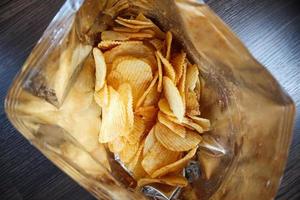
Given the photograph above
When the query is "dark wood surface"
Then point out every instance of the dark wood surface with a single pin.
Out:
(269, 28)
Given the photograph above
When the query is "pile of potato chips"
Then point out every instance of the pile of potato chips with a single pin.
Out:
(149, 93)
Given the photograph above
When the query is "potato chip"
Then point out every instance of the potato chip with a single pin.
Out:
(143, 97)
(138, 131)
(113, 35)
(186, 122)
(173, 97)
(178, 62)
(149, 31)
(111, 129)
(168, 68)
(131, 49)
(157, 157)
(192, 74)
(175, 166)
(168, 44)
(156, 43)
(108, 44)
(159, 33)
(174, 142)
(117, 144)
(153, 97)
(135, 166)
(101, 97)
(192, 104)
(100, 68)
(134, 71)
(176, 128)
(126, 95)
(171, 180)
(160, 73)
(181, 84)
(198, 89)
(204, 123)
(128, 152)
(164, 107)
(149, 142)
(135, 21)
(148, 112)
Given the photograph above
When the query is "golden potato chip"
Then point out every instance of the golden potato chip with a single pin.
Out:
(188, 123)
(168, 68)
(113, 35)
(204, 123)
(157, 157)
(153, 97)
(134, 71)
(143, 97)
(126, 95)
(192, 104)
(108, 44)
(174, 142)
(135, 21)
(176, 128)
(181, 84)
(160, 73)
(117, 144)
(198, 89)
(131, 49)
(128, 152)
(175, 166)
(101, 97)
(138, 131)
(100, 68)
(156, 43)
(159, 33)
(111, 129)
(171, 180)
(173, 97)
(149, 31)
(135, 165)
(149, 141)
(192, 74)
(178, 62)
(125, 29)
(168, 44)
(164, 107)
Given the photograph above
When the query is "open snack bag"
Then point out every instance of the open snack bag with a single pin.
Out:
(138, 99)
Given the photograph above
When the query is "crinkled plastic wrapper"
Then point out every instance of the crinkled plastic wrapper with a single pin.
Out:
(51, 104)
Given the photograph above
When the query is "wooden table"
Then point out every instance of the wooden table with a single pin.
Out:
(269, 28)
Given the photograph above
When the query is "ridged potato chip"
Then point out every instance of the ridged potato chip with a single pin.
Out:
(204, 123)
(101, 97)
(131, 49)
(134, 71)
(192, 74)
(108, 44)
(181, 84)
(125, 29)
(192, 104)
(117, 144)
(160, 73)
(138, 131)
(153, 97)
(135, 21)
(113, 35)
(171, 180)
(175, 166)
(111, 129)
(157, 157)
(126, 95)
(186, 122)
(159, 33)
(176, 128)
(100, 68)
(156, 43)
(174, 142)
(174, 98)
(168, 68)
(128, 152)
(178, 62)
(168, 44)
(143, 97)
(135, 165)
(164, 107)
(149, 142)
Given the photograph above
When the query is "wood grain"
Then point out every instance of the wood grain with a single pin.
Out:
(269, 28)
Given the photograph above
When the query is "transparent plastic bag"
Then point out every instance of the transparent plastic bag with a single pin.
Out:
(242, 157)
